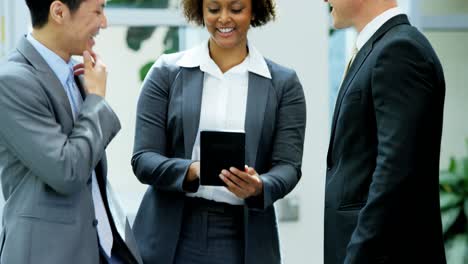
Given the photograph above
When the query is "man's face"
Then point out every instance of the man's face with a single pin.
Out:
(343, 12)
(228, 21)
(83, 25)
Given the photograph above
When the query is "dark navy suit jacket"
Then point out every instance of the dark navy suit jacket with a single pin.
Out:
(382, 188)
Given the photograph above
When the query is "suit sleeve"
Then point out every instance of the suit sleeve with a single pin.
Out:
(288, 144)
(31, 131)
(150, 162)
(402, 91)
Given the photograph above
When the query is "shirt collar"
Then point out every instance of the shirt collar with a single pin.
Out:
(56, 63)
(257, 63)
(200, 57)
(374, 25)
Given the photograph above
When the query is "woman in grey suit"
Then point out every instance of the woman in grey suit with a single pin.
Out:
(223, 84)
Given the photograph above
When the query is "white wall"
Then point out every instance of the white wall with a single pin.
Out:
(451, 48)
(16, 22)
(299, 39)
(2, 29)
(446, 7)
(122, 94)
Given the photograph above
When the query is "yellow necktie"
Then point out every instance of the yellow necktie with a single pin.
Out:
(348, 65)
(350, 62)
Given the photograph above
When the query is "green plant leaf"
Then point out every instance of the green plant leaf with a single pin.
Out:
(449, 200)
(449, 217)
(137, 35)
(465, 169)
(452, 165)
(171, 45)
(449, 178)
(456, 249)
(454, 208)
(172, 37)
(466, 209)
(145, 69)
(138, 3)
(169, 51)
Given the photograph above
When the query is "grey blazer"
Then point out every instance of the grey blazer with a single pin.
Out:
(167, 122)
(46, 161)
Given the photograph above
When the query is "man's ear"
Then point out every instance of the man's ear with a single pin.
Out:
(58, 12)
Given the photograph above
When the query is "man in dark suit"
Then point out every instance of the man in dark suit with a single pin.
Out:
(382, 192)
(53, 134)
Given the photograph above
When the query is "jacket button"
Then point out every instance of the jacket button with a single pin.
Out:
(95, 222)
(328, 168)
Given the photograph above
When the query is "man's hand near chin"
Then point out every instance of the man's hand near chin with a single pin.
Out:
(94, 73)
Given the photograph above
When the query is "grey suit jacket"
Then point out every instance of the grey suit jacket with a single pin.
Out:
(46, 161)
(167, 122)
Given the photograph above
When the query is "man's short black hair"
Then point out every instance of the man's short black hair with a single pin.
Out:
(39, 10)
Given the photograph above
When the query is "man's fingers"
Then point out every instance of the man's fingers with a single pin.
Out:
(78, 69)
(95, 74)
(99, 64)
(87, 60)
(93, 55)
(93, 61)
(79, 72)
(78, 66)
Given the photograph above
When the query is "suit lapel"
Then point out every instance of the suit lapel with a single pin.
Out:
(355, 67)
(257, 99)
(47, 76)
(192, 87)
(358, 61)
(259, 87)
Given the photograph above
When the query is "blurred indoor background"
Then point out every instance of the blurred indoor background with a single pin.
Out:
(301, 38)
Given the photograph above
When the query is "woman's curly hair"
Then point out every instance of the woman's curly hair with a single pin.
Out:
(263, 11)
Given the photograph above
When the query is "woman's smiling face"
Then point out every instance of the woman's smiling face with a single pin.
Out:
(228, 21)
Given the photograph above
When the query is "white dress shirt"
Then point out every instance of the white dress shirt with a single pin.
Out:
(224, 103)
(372, 27)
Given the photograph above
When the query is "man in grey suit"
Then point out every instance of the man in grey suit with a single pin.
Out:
(53, 134)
